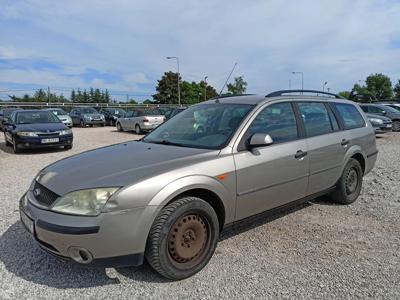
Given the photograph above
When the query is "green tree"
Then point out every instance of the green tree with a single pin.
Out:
(148, 101)
(344, 94)
(73, 96)
(380, 86)
(238, 87)
(167, 89)
(396, 90)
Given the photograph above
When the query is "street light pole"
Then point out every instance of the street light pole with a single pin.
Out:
(323, 87)
(302, 78)
(179, 87)
(205, 88)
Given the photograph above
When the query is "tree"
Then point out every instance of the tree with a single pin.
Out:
(380, 86)
(238, 87)
(167, 89)
(148, 101)
(73, 96)
(344, 94)
(396, 90)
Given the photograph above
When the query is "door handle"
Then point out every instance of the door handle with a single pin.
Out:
(300, 154)
(344, 142)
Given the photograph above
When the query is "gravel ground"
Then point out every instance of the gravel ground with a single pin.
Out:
(319, 250)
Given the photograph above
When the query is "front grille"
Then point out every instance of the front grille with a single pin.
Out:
(43, 195)
(47, 134)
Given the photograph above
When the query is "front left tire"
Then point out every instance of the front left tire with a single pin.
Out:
(7, 142)
(182, 238)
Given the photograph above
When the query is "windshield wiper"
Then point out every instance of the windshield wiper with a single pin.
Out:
(165, 142)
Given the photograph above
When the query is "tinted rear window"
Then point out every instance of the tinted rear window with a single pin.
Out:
(350, 115)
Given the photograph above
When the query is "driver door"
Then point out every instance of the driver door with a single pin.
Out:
(271, 176)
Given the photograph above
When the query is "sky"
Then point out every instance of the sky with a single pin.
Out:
(122, 45)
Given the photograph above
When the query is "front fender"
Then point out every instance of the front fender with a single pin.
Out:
(188, 183)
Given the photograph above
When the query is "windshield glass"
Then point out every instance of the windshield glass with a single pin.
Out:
(392, 108)
(36, 117)
(207, 126)
(89, 111)
(58, 112)
(150, 112)
(116, 111)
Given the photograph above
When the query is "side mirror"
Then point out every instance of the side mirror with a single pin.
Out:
(260, 140)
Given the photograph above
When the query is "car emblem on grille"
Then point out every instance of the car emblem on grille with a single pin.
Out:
(36, 192)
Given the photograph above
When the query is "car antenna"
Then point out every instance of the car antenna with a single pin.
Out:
(230, 74)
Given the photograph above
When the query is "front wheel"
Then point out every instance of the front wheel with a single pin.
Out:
(182, 238)
(396, 126)
(119, 127)
(15, 147)
(7, 142)
(350, 183)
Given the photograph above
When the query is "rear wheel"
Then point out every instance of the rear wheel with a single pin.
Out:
(350, 183)
(396, 125)
(183, 238)
(119, 127)
(138, 130)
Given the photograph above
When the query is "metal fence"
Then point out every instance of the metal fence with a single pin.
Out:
(69, 105)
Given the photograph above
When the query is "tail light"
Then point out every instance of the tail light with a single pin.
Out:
(145, 120)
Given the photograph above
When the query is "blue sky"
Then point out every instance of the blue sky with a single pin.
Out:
(121, 45)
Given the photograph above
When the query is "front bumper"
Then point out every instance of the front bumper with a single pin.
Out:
(382, 129)
(112, 239)
(67, 123)
(36, 142)
(94, 122)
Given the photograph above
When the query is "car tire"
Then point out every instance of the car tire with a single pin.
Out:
(138, 130)
(68, 147)
(185, 223)
(396, 125)
(7, 142)
(102, 124)
(82, 124)
(119, 127)
(15, 147)
(349, 185)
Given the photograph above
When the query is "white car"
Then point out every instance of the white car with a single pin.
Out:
(62, 115)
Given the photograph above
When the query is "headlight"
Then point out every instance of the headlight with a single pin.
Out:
(24, 133)
(102, 117)
(84, 202)
(65, 132)
(378, 121)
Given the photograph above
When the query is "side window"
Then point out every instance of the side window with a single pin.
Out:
(316, 118)
(350, 115)
(277, 120)
(364, 108)
(375, 110)
(129, 114)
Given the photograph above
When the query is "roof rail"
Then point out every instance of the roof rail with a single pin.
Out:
(280, 93)
(229, 95)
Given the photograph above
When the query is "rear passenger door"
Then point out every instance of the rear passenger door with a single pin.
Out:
(273, 175)
(326, 144)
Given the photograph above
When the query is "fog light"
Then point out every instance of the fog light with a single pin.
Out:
(80, 255)
(26, 144)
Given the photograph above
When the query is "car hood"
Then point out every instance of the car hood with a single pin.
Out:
(378, 117)
(118, 165)
(43, 127)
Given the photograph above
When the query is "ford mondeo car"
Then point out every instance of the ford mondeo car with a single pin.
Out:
(167, 197)
(29, 129)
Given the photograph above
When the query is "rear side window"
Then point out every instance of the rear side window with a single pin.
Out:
(350, 115)
(317, 119)
(364, 108)
(277, 120)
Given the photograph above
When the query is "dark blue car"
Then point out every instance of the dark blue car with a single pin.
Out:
(27, 129)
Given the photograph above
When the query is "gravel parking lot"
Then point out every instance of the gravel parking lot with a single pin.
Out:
(319, 250)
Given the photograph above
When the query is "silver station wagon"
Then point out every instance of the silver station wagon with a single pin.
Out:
(167, 197)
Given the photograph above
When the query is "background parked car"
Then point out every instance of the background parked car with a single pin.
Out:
(173, 112)
(381, 124)
(4, 115)
(112, 114)
(83, 116)
(36, 129)
(383, 110)
(140, 120)
(395, 105)
(62, 115)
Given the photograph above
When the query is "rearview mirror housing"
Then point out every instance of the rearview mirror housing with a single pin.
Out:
(260, 140)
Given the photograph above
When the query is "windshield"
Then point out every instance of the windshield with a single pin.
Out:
(394, 108)
(58, 112)
(150, 112)
(207, 126)
(116, 111)
(89, 111)
(36, 117)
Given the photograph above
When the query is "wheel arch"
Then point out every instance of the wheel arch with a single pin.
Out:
(204, 187)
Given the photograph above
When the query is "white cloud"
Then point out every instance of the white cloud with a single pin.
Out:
(335, 41)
